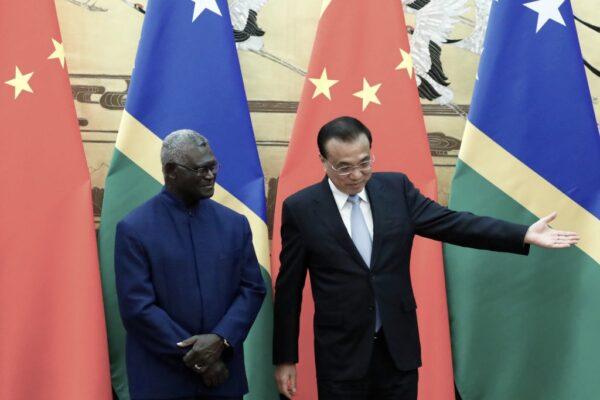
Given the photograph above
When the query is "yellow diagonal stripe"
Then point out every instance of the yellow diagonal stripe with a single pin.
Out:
(142, 147)
(531, 190)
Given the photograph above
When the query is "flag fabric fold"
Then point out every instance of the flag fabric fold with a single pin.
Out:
(187, 75)
(53, 339)
(525, 327)
(361, 67)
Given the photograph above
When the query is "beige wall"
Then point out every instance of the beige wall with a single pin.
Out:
(101, 39)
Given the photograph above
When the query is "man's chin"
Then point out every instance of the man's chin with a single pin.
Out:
(207, 192)
(203, 192)
(354, 189)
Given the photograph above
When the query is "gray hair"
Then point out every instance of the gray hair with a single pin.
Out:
(173, 147)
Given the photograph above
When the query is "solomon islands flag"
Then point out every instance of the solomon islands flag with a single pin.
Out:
(527, 327)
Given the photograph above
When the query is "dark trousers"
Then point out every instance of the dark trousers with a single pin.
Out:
(382, 382)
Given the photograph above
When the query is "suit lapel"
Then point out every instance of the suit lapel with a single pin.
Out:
(328, 212)
(379, 211)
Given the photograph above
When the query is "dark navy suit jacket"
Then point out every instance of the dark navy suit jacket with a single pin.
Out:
(345, 289)
(182, 272)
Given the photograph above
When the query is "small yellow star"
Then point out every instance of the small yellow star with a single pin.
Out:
(20, 82)
(407, 63)
(368, 94)
(323, 84)
(59, 52)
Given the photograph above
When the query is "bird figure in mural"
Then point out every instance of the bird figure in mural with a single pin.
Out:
(474, 42)
(136, 6)
(88, 4)
(248, 36)
(434, 21)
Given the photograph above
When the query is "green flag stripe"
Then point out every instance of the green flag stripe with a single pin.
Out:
(258, 351)
(522, 327)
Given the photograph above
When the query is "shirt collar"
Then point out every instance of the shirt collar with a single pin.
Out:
(174, 201)
(341, 198)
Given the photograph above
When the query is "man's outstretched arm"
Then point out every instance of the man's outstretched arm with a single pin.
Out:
(437, 222)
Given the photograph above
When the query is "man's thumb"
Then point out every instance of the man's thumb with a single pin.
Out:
(187, 342)
(549, 218)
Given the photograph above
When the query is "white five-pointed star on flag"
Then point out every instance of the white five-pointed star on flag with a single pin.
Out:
(201, 5)
(547, 10)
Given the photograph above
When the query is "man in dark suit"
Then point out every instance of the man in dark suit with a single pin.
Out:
(188, 283)
(353, 233)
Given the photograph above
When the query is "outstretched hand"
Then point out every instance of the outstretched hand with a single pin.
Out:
(541, 234)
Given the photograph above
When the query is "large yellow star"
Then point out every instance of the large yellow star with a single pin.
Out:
(20, 82)
(59, 52)
(407, 63)
(368, 94)
(323, 84)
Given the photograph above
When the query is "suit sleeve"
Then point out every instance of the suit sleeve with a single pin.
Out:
(237, 321)
(140, 314)
(288, 290)
(437, 222)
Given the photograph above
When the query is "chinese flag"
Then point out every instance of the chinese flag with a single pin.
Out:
(361, 67)
(52, 332)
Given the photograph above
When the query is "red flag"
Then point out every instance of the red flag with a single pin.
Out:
(52, 331)
(361, 67)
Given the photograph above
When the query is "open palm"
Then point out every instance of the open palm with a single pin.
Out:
(541, 234)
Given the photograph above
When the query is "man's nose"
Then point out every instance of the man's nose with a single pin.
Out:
(356, 174)
(209, 175)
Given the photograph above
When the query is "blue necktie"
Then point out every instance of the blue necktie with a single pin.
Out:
(362, 241)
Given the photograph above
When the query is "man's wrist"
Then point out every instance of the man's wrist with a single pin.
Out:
(223, 341)
(527, 239)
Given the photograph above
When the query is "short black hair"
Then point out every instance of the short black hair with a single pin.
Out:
(346, 129)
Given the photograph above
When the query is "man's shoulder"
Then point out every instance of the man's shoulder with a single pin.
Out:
(304, 195)
(142, 213)
(389, 177)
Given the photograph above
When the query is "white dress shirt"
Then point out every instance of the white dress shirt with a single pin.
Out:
(345, 207)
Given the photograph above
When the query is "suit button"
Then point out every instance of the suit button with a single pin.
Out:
(371, 308)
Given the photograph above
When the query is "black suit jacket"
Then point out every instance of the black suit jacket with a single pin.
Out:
(344, 288)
